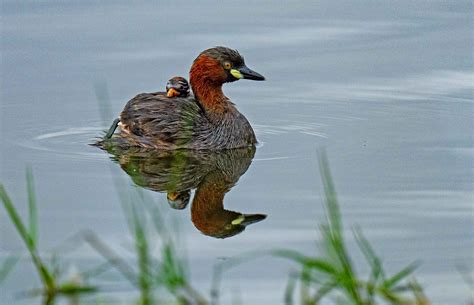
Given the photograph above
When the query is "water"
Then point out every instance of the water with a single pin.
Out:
(385, 87)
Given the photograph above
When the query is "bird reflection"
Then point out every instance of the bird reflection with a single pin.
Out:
(210, 174)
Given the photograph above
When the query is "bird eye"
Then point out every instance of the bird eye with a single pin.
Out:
(227, 65)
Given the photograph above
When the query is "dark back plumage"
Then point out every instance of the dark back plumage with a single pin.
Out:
(154, 120)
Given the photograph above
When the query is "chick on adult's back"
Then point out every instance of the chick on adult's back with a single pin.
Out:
(209, 120)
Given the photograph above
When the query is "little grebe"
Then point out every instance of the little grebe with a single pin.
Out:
(209, 120)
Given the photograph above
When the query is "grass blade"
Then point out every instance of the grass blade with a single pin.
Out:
(334, 215)
(172, 271)
(393, 280)
(32, 208)
(333, 233)
(311, 263)
(290, 288)
(374, 262)
(324, 290)
(46, 277)
(15, 218)
(7, 266)
(111, 257)
(369, 253)
(143, 256)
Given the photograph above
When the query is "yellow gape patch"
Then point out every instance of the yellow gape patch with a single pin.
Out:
(238, 220)
(236, 73)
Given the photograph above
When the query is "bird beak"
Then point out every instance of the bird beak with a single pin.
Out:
(246, 73)
(247, 219)
(172, 92)
(172, 196)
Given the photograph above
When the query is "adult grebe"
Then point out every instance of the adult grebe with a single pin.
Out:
(209, 120)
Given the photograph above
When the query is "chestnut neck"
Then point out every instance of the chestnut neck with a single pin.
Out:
(207, 77)
(207, 210)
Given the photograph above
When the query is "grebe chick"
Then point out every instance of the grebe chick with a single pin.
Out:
(177, 87)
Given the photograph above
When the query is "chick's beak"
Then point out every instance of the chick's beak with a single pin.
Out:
(172, 93)
(246, 73)
(172, 196)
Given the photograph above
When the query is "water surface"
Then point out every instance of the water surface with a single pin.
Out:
(385, 87)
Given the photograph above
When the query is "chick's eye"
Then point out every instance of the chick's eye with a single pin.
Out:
(227, 65)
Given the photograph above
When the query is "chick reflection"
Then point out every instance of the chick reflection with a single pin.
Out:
(211, 174)
(179, 200)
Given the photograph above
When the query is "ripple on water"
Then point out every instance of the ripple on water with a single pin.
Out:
(70, 141)
(74, 141)
(308, 128)
(274, 135)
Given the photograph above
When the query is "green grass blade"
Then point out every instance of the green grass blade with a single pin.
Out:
(334, 215)
(45, 275)
(96, 271)
(7, 266)
(395, 279)
(324, 290)
(369, 253)
(290, 289)
(15, 218)
(305, 279)
(69, 289)
(333, 233)
(172, 271)
(374, 262)
(309, 262)
(111, 257)
(418, 293)
(143, 256)
(389, 295)
(32, 207)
